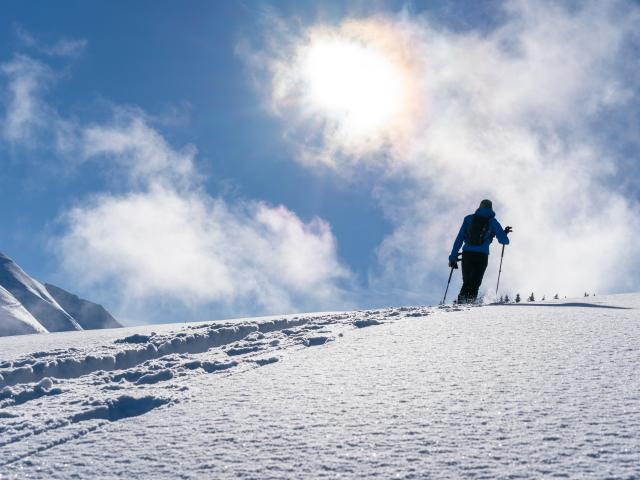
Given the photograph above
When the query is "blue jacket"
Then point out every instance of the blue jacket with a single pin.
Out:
(495, 230)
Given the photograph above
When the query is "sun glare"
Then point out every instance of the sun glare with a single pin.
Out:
(354, 83)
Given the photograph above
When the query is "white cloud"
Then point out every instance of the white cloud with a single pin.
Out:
(166, 239)
(141, 152)
(513, 114)
(196, 249)
(28, 122)
(64, 47)
(24, 110)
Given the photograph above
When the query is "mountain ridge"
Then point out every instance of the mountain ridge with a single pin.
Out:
(88, 314)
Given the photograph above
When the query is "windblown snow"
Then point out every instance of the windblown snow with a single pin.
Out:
(504, 391)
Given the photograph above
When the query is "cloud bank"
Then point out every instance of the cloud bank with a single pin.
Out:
(523, 113)
(197, 249)
(167, 237)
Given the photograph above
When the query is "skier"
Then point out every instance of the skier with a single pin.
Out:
(477, 232)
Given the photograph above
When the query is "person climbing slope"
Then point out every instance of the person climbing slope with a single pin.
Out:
(477, 233)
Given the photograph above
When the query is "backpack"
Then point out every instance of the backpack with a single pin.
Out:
(477, 231)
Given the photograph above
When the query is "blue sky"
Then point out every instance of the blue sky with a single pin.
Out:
(166, 58)
(202, 76)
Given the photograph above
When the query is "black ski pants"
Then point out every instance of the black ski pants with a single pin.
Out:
(473, 266)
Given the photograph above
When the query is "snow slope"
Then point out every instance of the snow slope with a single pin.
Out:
(88, 314)
(505, 391)
(14, 318)
(34, 297)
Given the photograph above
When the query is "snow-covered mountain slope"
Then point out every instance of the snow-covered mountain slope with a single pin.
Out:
(505, 391)
(14, 318)
(88, 314)
(34, 297)
(27, 306)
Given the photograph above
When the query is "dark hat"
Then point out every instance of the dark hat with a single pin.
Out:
(486, 204)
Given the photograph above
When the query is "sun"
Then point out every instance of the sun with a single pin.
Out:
(354, 92)
(354, 83)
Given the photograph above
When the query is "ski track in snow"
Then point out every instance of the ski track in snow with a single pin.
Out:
(49, 398)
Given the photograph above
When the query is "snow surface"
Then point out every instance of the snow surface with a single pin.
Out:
(14, 318)
(517, 391)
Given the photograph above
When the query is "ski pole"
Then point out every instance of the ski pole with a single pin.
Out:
(507, 231)
(500, 271)
(450, 275)
(445, 292)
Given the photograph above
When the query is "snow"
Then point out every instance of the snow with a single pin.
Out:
(34, 297)
(14, 318)
(519, 391)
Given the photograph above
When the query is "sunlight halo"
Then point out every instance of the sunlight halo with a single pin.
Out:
(355, 86)
(353, 83)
